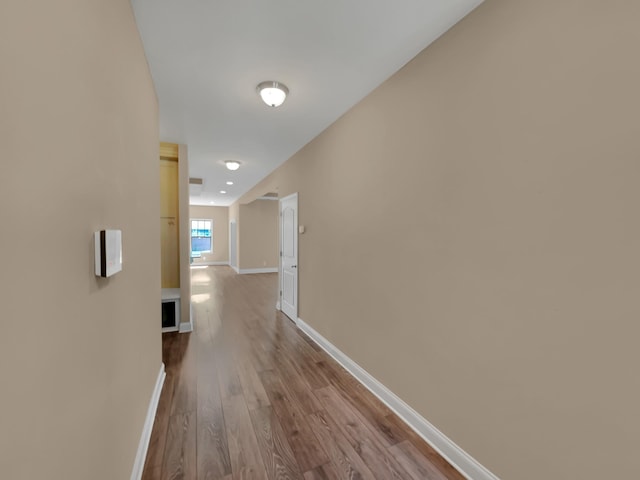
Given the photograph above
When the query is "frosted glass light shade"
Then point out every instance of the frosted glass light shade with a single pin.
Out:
(273, 93)
(231, 165)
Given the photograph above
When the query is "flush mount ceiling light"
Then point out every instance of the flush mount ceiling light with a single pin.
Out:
(231, 165)
(272, 93)
(229, 182)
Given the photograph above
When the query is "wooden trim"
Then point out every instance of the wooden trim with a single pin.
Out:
(464, 463)
(169, 150)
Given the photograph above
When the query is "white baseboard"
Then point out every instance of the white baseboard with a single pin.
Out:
(278, 305)
(143, 446)
(258, 270)
(235, 269)
(186, 327)
(196, 264)
(456, 456)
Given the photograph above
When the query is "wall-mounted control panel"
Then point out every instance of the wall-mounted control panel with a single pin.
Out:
(108, 249)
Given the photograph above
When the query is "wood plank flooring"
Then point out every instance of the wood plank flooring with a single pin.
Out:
(249, 396)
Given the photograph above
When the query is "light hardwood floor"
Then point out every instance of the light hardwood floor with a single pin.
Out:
(249, 396)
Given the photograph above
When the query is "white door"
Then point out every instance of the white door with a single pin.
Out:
(289, 256)
(233, 242)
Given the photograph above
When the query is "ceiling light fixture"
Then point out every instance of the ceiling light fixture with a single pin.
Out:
(229, 182)
(231, 165)
(272, 93)
(223, 191)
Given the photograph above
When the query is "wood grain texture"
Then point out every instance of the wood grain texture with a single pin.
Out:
(418, 466)
(324, 472)
(346, 460)
(246, 460)
(228, 376)
(297, 386)
(426, 450)
(279, 461)
(180, 451)
(212, 448)
(151, 472)
(248, 396)
(362, 436)
(184, 393)
(153, 464)
(304, 443)
(252, 387)
(365, 402)
(169, 150)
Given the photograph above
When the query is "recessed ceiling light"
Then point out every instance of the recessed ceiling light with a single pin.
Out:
(223, 191)
(272, 93)
(232, 165)
(229, 182)
(212, 203)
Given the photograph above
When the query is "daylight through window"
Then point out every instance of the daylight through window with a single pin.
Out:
(201, 237)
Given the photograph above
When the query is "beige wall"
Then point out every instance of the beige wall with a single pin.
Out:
(258, 235)
(472, 236)
(220, 217)
(79, 355)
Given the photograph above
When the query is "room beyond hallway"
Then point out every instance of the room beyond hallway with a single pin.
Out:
(248, 395)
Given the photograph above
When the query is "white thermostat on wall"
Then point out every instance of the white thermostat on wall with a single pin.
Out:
(108, 252)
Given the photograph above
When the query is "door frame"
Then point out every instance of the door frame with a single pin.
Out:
(233, 245)
(280, 276)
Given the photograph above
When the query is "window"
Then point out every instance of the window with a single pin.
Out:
(201, 237)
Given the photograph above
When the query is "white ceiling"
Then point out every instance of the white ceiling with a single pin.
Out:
(208, 56)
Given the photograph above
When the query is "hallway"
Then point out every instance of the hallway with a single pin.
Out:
(249, 396)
